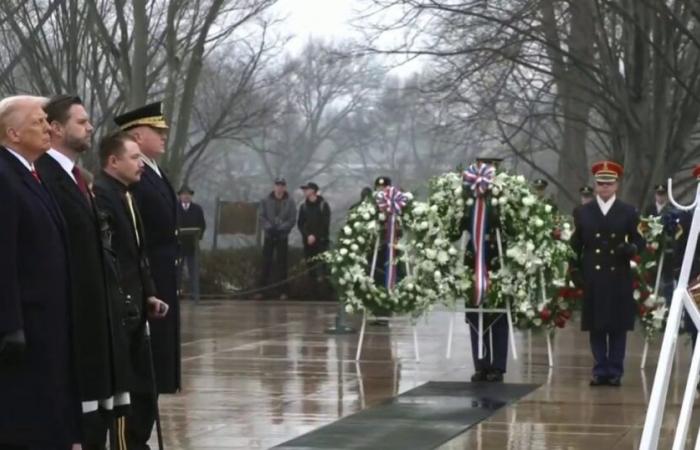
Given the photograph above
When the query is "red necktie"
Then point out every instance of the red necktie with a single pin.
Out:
(36, 176)
(80, 181)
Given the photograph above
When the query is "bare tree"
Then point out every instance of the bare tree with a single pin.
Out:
(121, 54)
(617, 78)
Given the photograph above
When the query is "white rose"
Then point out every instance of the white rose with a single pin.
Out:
(538, 222)
(349, 309)
(528, 200)
(442, 257)
(470, 201)
(452, 251)
(458, 190)
(495, 190)
(366, 216)
(548, 208)
(636, 295)
(430, 253)
(354, 247)
(343, 251)
(347, 230)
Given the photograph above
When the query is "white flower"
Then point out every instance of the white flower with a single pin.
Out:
(548, 208)
(495, 190)
(343, 251)
(452, 251)
(354, 247)
(430, 253)
(636, 295)
(349, 309)
(539, 223)
(528, 200)
(382, 217)
(347, 230)
(470, 201)
(443, 257)
(458, 191)
(366, 216)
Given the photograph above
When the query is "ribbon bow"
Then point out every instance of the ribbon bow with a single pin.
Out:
(479, 178)
(391, 200)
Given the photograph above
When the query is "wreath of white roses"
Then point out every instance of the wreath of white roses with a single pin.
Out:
(535, 245)
(350, 262)
(651, 307)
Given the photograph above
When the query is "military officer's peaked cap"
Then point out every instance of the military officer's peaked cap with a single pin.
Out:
(540, 183)
(382, 181)
(586, 191)
(660, 189)
(185, 189)
(150, 115)
(492, 160)
(606, 171)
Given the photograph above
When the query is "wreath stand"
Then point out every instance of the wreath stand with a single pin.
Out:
(656, 293)
(361, 338)
(481, 311)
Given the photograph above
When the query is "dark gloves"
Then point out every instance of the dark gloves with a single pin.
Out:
(12, 346)
(626, 250)
(576, 277)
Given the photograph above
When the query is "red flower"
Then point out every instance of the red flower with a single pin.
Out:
(644, 294)
(566, 314)
(545, 315)
(650, 249)
(560, 321)
(635, 284)
(637, 259)
(642, 310)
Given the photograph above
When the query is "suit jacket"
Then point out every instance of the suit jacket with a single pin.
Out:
(90, 307)
(158, 205)
(131, 268)
(192, 218)
(40, 404)
(608, 304)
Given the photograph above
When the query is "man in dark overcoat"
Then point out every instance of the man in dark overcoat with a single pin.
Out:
(38, 391)
(157, 202)
(190, 215)
(92, 322)
(122, 167)
(605, 240)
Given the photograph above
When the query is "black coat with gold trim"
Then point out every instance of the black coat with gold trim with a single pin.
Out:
(604, 245)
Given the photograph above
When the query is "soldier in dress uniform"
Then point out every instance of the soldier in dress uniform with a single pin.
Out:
(137, 294)
(585, 194)
(661, 204)
(381, 267)
(492, 365)
(604, 241)
(157, 202)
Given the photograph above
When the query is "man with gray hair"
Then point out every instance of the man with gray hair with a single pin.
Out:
(40, 405)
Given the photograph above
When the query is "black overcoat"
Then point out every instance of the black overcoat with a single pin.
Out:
(608, 303)
(158, 206)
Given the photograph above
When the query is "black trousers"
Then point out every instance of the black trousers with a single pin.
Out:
(494, 356)
(139, 423)
(608, 350)
(275, 250)
(317, 269)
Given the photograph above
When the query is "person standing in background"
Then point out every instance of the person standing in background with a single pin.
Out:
(278, 214)
(314, 225)
(190, 216)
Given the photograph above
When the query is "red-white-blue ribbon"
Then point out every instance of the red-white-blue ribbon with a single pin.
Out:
(479, 179)
(391, 201)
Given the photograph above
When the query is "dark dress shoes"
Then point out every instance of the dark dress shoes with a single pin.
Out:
(598, 381)
(479, 376)
(615, 381)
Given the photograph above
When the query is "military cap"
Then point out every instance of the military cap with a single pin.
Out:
(540, 183)
(660, 188)
(185, 189)
(382, 182)
(606, 171)
(586, 191)
(150, 115)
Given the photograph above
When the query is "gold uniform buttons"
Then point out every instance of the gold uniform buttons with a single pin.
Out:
(597, 250)
(597, 267)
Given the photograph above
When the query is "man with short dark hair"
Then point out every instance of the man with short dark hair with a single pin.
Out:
(191, 217)
(122, 167)
(278, 214)
(314, 225)
(100, 390)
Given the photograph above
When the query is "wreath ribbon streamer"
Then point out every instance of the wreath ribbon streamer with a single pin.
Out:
(391, 202)
(479, 179)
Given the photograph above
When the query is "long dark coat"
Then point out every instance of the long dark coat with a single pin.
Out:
(39, 398)
(128, 263)
(608, 304)
(192, 218)
(90, 308)
(158, 206)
